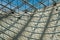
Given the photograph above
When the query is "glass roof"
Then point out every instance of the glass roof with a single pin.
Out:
(25, 5)
(17, 23)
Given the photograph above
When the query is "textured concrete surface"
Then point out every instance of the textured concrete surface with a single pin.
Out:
(13, 27)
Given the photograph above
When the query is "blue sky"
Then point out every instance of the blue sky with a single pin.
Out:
(25, 6)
